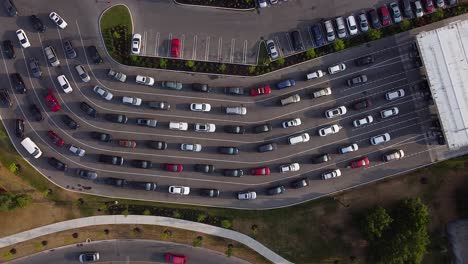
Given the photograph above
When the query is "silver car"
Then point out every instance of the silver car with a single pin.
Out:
(82, 73)
(191, 147)
(103, 93)
(249, 195)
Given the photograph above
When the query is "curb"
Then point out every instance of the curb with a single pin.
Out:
(216, 7)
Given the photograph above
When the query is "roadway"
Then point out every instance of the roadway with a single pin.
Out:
(129, 251)
(393, 69)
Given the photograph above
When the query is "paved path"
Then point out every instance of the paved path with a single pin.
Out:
(143, 220)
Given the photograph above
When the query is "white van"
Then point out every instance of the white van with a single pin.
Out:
(236, 110)
(31, 147)
(290, 99)
(303, 137)
(178, 126)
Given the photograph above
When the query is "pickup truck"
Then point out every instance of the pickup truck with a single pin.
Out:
(117, 75)
(322, 92)
(290, 99)
(178, 126)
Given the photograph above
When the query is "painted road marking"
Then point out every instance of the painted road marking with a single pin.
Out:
(168, 53)
(245, 52)
(194, 51)
(156, 51)
(207, 48)
(220, 48)
(233, 44)
(182, 40)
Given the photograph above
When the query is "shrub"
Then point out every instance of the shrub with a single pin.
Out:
(222, 68)
(405, 25)
(13, 168)
(163, 63)
(146, 212)
(75, 235)
(374, 34)
(226, 224)
(339, 45)
(166, 234)
(176, 214)
(190, 64)
(10, 201)
(230, 250)
(280, 61)
(310, 53)
(252, 69)
(44, 242)
(198, 241)
(201, 217)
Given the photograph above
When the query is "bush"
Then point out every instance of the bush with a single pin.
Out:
(405, 25)
(9, 201)
(230, 250)
(374, 34)
(166, 234)
(376, 221)
(176, 214)
(226, 224)
(201, 217)
(339, 45)
(222, 68)
(146, 212)
(198, 241)
(310, 53)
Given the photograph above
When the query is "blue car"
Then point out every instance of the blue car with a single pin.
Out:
(286, 84)
(317, 32)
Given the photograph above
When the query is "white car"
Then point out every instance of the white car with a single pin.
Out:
(394, 94)
(292, 123)
(262, 3)
(389, 112)
(325, 131)
(418, 9)
(247, 195)
(393, 155)
(145, 80)
(199, 127)
(23, 39)
(191, 147)
(351, 148)
(103, 93)
(363, 22)
(315, 75)
(270, 44)
(331, 174)
(379, 139)
(290, 167)
(363, 121)
(62, 80)
(339, 111)
(77, 151)
(352, 26)
(58, 20)
(82, 73)
(336, 68)
(200, 107)
(181, 190)
(132, 100)
(136, 44)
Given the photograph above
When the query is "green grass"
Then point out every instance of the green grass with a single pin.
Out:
(263, 57)
(116, 16)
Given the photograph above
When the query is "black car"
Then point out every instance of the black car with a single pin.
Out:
(228, 150)
(159, 145)
(37, 24)
(212, 193)
(94, 54)
(159, 105)
(301, 183)
(19, 128)
(374, 18)
(276, 190)
(363, 104)
(116, 182)
(5, 97)
(33, 64)
(10, 7)
(267, 147)
(357, 80)
(69, 50)
(113, 160)
(233, 172)
(72, 124)
(142, 164)
(321, 158)
(199, 87)
(297, 41)
(57, 164)
(141, 185)
(317, 32)
(234, 129)
(101, 136)
(366, 60)
(9, 49)
(234, 90)
(89, 110)
(35, 112)
(86, 174)
(262, 128)
(116, 118)
(206, 168)
(18, 83)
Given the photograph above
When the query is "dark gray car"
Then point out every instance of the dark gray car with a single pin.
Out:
(276, 190)
(233, 172)
(69, 50)
(228, 150)
(87, 174)
(267, 147)
(205, 168)
(234, 91)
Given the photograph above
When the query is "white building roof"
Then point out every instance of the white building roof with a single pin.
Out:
(444, 52)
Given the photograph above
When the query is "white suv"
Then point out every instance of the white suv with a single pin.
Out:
(62, 80)
(352, 27)
(181, 190)
(394, 94)
(292, 123)
(290, 167)
(331, 174)
(336, 68)
(363, 121)
(379, 139)
(199, 127)
(389, 112)
(296, 139)
(351, 148)
(145, 80)
(200, 107)
(325, 131)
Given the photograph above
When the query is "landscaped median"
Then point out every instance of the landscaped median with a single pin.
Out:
(232, 4)
(117, 39)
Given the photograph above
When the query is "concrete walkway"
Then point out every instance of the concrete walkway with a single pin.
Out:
(143, 220)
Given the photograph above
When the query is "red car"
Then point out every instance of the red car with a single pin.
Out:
(54, 138)
(386, 20)
(176, 259)
(51, 101)
(429, 6)
(260, 171)
(360, 163)
(261, 90)
(127, 143)
(173, 167)
(175, 48)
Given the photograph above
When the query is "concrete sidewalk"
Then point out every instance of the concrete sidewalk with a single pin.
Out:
(143, 220)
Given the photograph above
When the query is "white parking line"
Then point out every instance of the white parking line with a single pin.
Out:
(194, 52)
(156, 51)
(207, 48)
(182, 40)
(245, 52)
(220, 48)
(168, 52)
(233, 45)
(143, 44)
(278, 45)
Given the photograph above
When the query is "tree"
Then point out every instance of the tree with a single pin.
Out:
(374, 34)
(22, 200)
(376, 221)
(339, 45)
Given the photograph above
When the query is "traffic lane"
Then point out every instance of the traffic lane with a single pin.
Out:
(129, 250)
